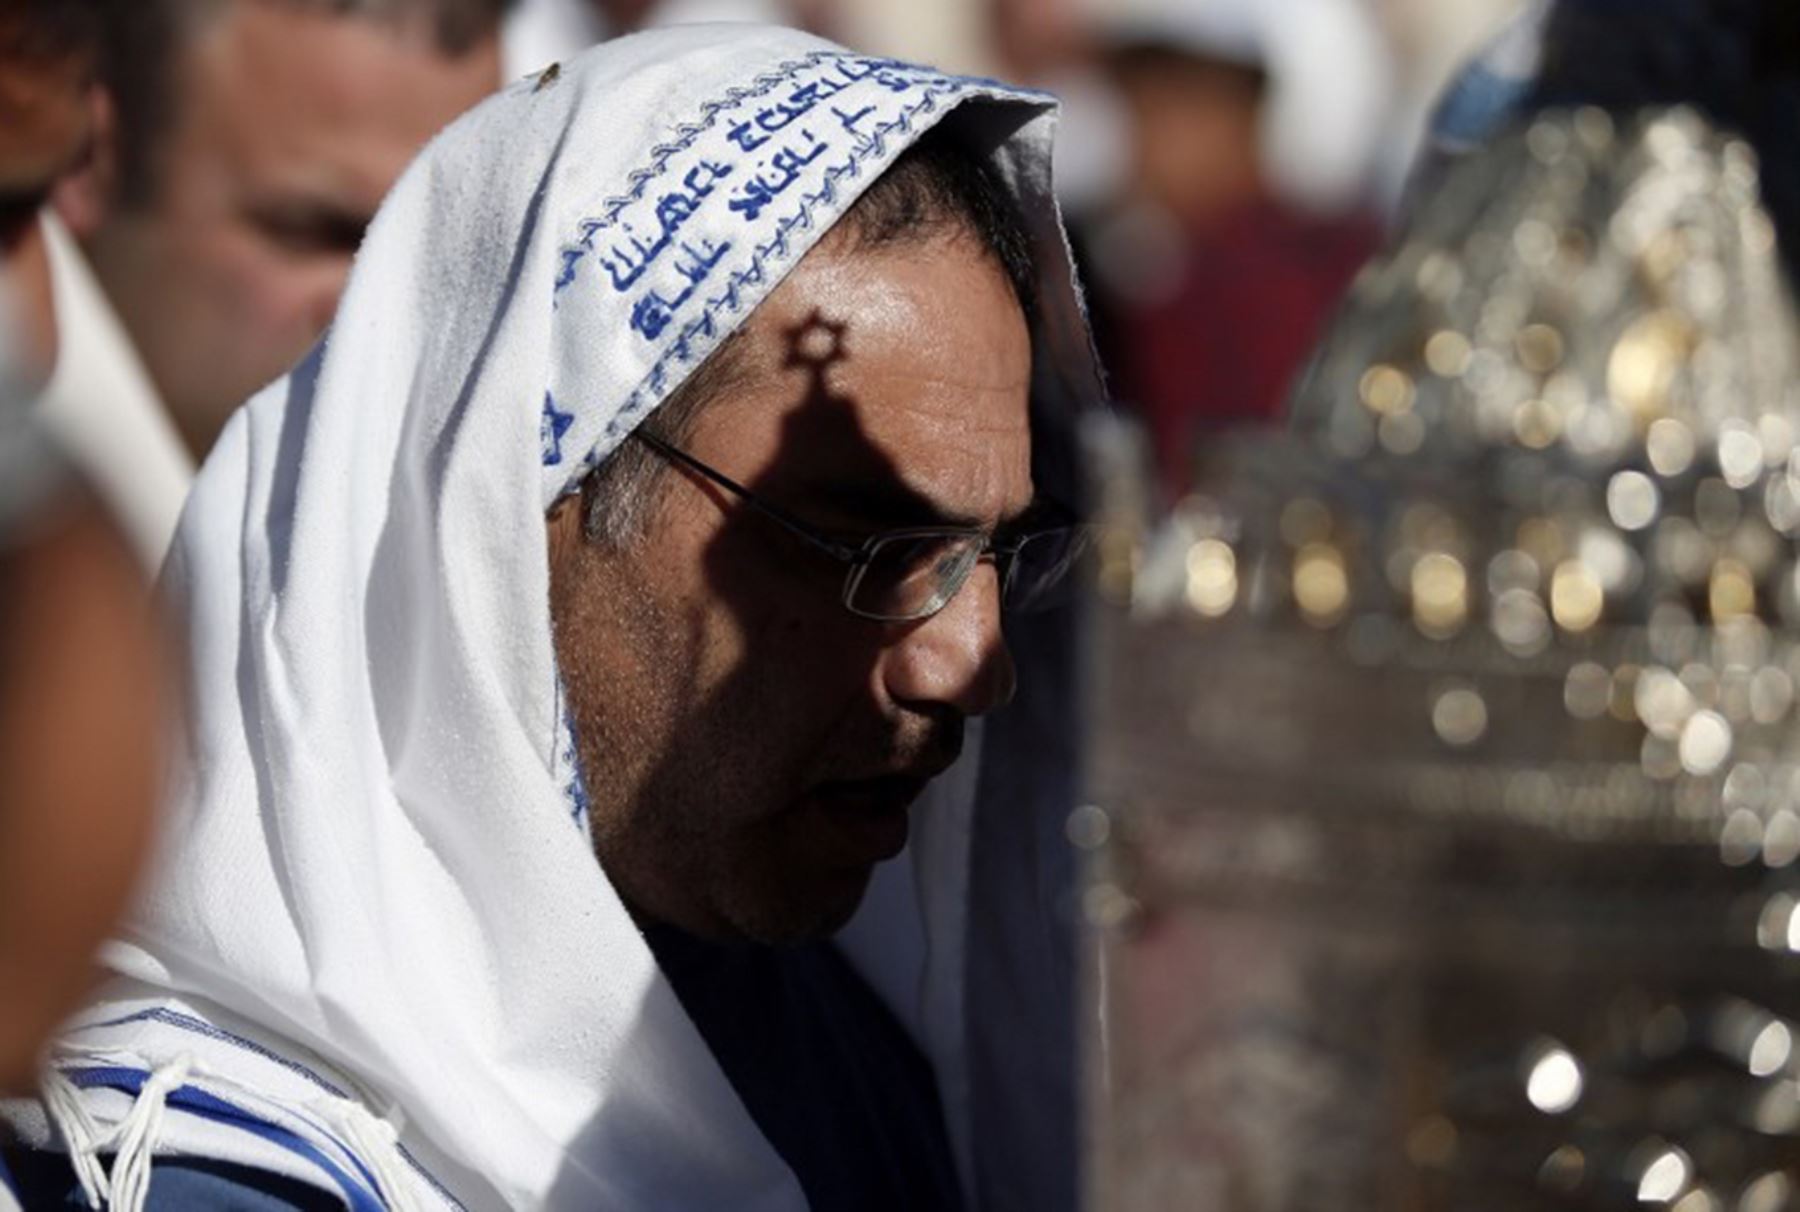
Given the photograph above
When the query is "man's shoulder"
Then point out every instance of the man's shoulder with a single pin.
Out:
(46, 1180)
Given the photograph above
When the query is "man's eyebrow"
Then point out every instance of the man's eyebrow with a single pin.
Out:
(892, 505)
(880, 504)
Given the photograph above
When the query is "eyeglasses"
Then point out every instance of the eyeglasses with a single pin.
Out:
(901, 576)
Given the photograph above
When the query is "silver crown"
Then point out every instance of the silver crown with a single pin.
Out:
(1453, 799)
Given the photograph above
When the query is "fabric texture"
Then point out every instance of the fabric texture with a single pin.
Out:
(378, 875)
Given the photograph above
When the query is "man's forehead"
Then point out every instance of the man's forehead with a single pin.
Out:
(937, 309)
(345, 97)
(904, 370)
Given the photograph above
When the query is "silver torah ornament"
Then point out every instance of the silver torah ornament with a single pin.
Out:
(1451, 802)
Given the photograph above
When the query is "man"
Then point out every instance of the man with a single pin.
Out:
(81, 660)
(654, 498)
(240, 148)
(1204, 240)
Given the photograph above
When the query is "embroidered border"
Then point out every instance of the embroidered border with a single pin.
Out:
(772, 253)
(688, 133)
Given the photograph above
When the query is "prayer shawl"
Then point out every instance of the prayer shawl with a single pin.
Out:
(101, 406)
(378, 952)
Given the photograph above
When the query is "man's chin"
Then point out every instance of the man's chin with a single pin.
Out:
(795, 915)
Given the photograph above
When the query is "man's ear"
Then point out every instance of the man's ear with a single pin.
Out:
(86, 194)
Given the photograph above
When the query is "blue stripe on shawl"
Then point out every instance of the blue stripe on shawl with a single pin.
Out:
(362, 1196)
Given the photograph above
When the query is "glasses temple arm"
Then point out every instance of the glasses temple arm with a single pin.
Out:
(840, 551)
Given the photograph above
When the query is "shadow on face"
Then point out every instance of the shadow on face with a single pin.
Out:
(798, 873)
(769, 742)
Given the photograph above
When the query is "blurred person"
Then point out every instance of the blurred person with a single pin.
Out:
(81, 654)
(239, 148)
(1051, 44)
(538, 33)
(1212, 285)
(574, 632)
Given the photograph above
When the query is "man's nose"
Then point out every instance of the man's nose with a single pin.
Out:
(957, 657)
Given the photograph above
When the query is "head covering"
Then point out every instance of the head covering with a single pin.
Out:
(378, 878)
(1329, 79)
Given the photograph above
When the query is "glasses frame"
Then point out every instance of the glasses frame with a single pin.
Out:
(859, 555)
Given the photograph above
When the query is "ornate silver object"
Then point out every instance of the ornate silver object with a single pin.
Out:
(1451, 790)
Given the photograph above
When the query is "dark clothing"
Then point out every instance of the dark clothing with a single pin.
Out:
(829, 1076)
(1223, 348)
(46, 1181)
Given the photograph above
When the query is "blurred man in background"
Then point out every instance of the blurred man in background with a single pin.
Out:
(239, 148)
(81, 658)
(1214, 283)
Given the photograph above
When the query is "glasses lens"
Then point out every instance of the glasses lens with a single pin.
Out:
(1041, 567)
(909, 577)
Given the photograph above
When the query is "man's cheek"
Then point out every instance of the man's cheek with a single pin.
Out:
(266, 281)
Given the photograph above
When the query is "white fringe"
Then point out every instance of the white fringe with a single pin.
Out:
(376, 1139)
(70, 1120)
(137, 1135)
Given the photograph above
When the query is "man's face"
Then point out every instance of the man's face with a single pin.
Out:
(290, 126)
(1198, 136)
(750, 747)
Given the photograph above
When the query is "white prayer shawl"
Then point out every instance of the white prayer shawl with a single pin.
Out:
(103, 409)
(377, 911)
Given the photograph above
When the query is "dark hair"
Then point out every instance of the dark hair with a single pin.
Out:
(936, 189)
(1737, 61)
(51, 32)
(1144, 58)
(141, 64)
